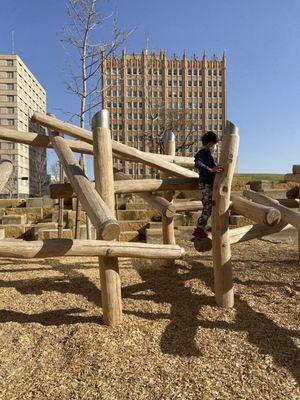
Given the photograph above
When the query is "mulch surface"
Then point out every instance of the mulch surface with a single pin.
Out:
(174, 342)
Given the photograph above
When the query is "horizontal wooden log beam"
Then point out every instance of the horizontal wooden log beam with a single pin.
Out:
(153, 185)
(38, 140)
(192, 205)
(287, 215)
(256, 212)
(119, 149)
(64, 190)
(16, 248)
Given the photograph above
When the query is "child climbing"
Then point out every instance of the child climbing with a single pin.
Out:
(206, 165)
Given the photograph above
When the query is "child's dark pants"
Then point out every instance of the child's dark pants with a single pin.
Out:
(206, 191)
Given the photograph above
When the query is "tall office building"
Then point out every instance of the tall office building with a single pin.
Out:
(150, 94)
(20, 96)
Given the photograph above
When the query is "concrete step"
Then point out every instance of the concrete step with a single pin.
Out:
(134, 225)
(9, 203)
(13, 219)
(2, 233)
(182, 233)
(15, 231)
(239, 220)
(42, 226)
(33, 214)
(53, 234)
(83, 232)
(129, 236)
(136, 206)
(125, 215)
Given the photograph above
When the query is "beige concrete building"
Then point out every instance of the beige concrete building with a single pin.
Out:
(150, 94)
(20, 95)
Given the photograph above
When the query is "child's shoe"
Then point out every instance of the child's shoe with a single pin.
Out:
(200, 233)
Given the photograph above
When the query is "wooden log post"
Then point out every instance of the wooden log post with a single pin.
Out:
(61, 205)
(104, 183)
(299, 229)
(220, 218)
(168, 222)
(6, 169)
(101, 216)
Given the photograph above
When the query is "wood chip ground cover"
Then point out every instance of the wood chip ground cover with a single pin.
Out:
(174, 342)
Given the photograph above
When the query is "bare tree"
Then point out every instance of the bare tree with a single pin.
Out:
(39, 179)
(55, 170)
(84, 41)
(11, 185)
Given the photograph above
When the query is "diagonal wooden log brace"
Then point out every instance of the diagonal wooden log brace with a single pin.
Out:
(98, 212)
(287, 215)
(160, 204)
(119, 149)
(259, 213)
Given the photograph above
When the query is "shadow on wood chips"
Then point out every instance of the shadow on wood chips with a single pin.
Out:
(165, 285)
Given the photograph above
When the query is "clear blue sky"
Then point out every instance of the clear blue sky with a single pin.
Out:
(261, 37)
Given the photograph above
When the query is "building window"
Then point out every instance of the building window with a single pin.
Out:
(209, 83)
(209, 72)
(10, 98)
(169, 72)
(10, 110)
(189, 72)
(10, 86)
(134, 71)
(129, 71)
(10, 63)
(189, 83)
(9, 74)
(220, 84)
(10, 122)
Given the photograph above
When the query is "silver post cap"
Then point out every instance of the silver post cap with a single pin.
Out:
(101, 119)
(169, 136)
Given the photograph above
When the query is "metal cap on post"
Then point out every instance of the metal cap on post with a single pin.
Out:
(101, 119)
(169, 136)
